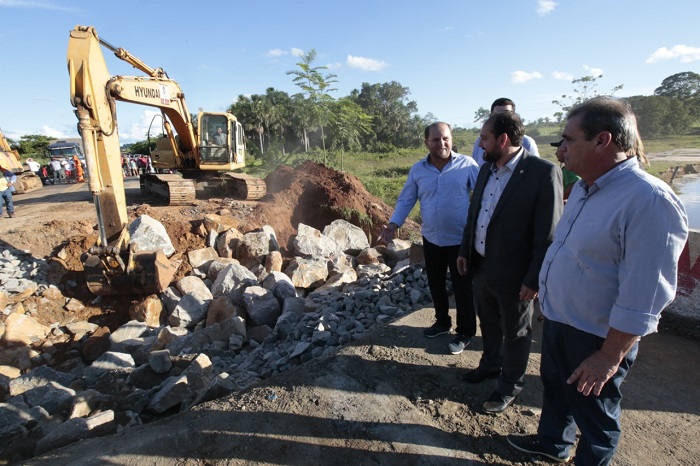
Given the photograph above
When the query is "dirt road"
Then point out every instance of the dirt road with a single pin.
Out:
(395, 398)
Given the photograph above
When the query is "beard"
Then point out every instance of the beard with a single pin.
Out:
(491, 156)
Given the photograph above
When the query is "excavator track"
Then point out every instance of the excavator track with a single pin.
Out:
(172, 189)
(26, 182)
(245, 186)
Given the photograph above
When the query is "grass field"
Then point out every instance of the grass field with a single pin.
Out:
(385, 174)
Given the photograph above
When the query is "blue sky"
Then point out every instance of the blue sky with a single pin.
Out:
(454, 55)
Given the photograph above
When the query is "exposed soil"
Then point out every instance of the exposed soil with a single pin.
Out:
(393, 397)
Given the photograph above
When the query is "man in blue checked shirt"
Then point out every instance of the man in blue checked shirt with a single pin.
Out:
(610, 270)
(441, 182)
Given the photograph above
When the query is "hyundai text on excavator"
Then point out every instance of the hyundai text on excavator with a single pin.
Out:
(113, 266)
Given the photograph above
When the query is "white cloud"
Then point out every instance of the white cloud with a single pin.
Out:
(368, 64)
(274, 53)
(685, 53)
(595, 72)
(51, 132)
(563, 76)
(523, 76)
(545, 7)
(334, 66)
(139, 130)
(36, 5)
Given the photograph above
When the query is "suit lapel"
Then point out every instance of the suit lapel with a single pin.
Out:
(515, 178)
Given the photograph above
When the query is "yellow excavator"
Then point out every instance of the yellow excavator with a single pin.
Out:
(215, 147)
(10, 159)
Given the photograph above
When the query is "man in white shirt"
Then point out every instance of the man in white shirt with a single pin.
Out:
(33, 165)
(56, 169)
(503, 104)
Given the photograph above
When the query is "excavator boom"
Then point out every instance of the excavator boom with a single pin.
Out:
(215, 146)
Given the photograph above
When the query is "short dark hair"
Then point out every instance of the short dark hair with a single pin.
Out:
(502, 102)
(606, 113)
(435, 125)
(508, 123)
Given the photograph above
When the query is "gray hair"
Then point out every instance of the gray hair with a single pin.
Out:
(609, 114)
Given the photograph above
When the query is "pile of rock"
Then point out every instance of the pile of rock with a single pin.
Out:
(244, 314)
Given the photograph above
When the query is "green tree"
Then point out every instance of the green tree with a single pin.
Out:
(143, 147)
(349, 123)
(659, 115)
(279, 115)
(585, 88)
(684, 87)
(481, 115)
(316, 87)
(302, 116)
(392, 112)
(33, 145)
(252, 112)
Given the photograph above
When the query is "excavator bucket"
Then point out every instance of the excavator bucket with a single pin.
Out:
(149, 272)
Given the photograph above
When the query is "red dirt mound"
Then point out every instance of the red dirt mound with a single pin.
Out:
(315, 195)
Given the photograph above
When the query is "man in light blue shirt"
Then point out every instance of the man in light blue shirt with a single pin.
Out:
(441, 183)
(503, 104)
(610, 270)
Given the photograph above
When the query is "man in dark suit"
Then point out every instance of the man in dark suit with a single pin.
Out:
(515, 207)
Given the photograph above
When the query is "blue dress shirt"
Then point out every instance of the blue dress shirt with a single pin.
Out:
(613, 260)
(443, 197)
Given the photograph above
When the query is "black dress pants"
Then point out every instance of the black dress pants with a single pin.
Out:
(438, 259)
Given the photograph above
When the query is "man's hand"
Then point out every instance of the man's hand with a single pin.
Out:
(387, 234)
(593, 373)
(526, 294)
(462, 265)
(596, 370)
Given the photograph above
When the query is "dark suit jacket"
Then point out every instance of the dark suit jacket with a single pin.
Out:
(522, 225)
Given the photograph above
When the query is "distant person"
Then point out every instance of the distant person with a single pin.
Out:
(142, 165)
(133, 167)
(503, 104)
(44, 174)
(7, 181)
(63, 169)
(611, 269)
(56, 169)
(516, 204)
(79, 173)
(220, 137)
(568, 177)
(71, 171)
(34, 166)
(441, 183)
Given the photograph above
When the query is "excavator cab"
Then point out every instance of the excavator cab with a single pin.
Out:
(221, 145)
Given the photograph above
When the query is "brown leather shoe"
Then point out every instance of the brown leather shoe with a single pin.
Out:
(11, 214)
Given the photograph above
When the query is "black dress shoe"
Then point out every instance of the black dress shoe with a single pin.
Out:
(479, 374)
(497, 403)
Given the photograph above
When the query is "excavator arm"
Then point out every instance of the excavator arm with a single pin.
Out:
(112, 266)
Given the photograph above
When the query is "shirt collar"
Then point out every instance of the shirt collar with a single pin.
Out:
(512, 163)
(611, 175)
(427, 164)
